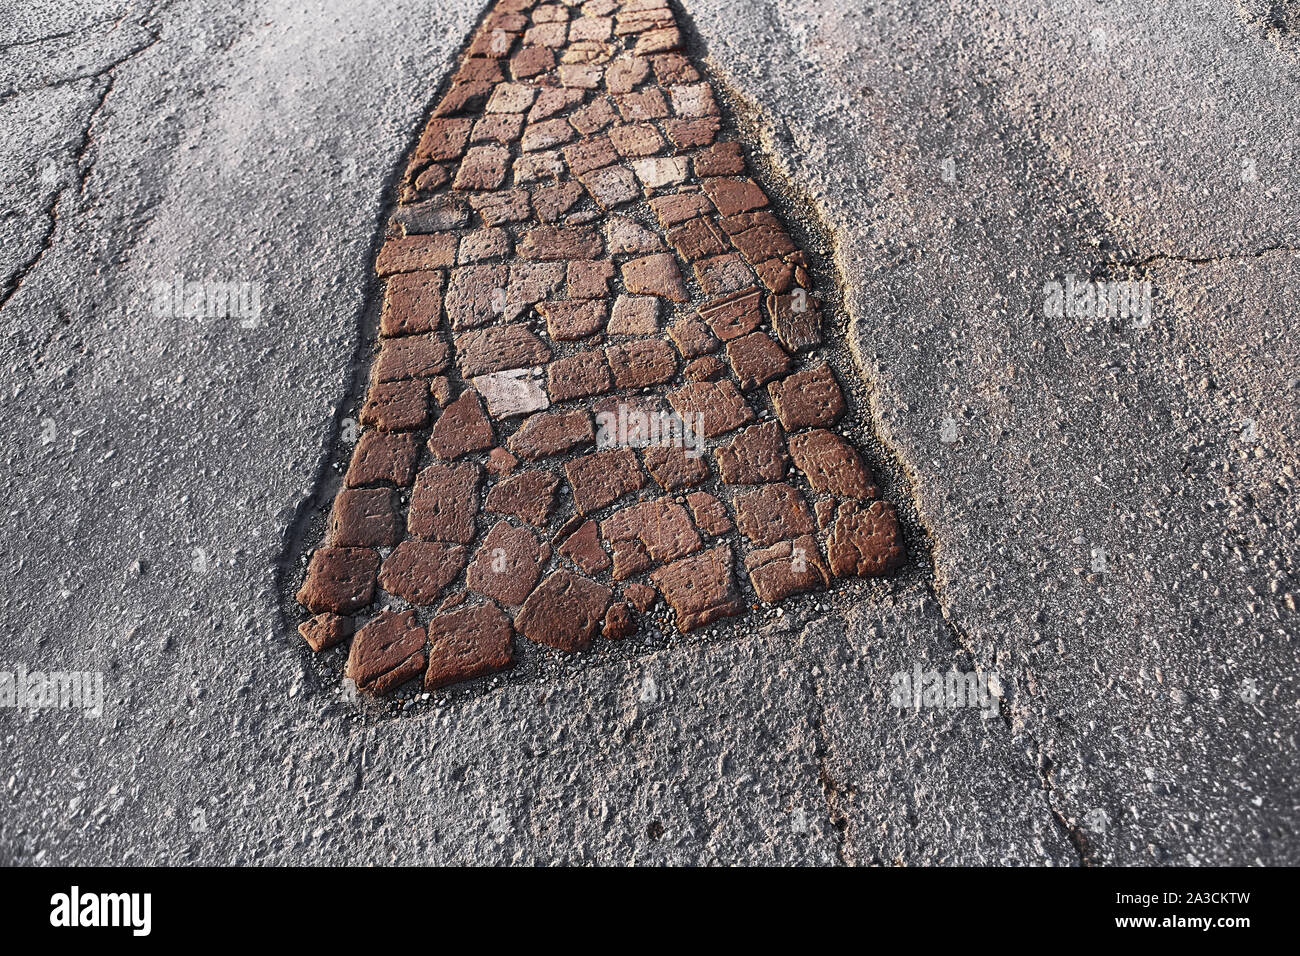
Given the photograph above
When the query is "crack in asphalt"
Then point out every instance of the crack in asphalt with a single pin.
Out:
(1147, 262)
(84, 169)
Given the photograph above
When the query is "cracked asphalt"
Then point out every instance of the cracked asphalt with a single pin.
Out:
(1103, 512)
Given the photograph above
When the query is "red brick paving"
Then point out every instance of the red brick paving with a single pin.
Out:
(578, 242)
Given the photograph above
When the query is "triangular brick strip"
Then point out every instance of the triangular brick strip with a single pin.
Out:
(578, 255)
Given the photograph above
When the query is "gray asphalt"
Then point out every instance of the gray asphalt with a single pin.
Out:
(1103, 512)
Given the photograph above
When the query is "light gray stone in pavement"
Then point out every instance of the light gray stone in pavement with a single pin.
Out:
(1111, 509)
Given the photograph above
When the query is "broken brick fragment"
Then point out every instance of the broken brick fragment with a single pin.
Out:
(528, 496)
(417, 571)
(772, 513)
(387, 652)
(461, 428)
(468, 644)
(564, 611)
(412, 304)
(754, 456)
(831, 464)
(325, 630)
(866, 540)
(584, 549)
(365, 518)
(383, 458)
(812, 397)
(341, 580)
(444, 502)
(601, 478)
(507, 564)
(701, 588)
(787, 568)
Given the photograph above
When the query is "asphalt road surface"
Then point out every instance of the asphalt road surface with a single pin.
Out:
(1101, 508)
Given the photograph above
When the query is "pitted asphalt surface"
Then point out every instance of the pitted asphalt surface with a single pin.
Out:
(154, 464)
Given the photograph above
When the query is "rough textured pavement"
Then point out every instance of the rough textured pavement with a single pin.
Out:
(1101, 511)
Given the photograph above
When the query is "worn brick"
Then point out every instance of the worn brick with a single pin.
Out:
(383, 458)
(418, 571)
(619, 622)
(444, 502)
(412, 304)
(472, 294)
(501, 128)
(756, 359)
(701, 588)
(636, 139)
(610, 186)
(831, 464)
(722, 274)
(528, 496)
(564, 612)
(550, 243)
(679, 207)
(529, 61)
(498, 208)
(755, 455)
(325, 630)
(484, 167)
(866, 540)
(693, 101)
(772, 513)
(674, 468)
(807, 398)
(574, 319)
(478, 245)
(546, 135)
(796, 320)
(640, 596)
(691, 133)
(692, 337)
(552, 433)
(626, 73)
(535, 167)
(461, 428)
(396, 406)
(601, 478)
(507, 564)
(720, 159)
(787, 568)
(732, 196)
(466, 645)
(465, 97)
(443, 139)
(660, 529)
(552, 202)
(657, 41)
(655, 274)
(673, 69)
(710, 514)
(577, 376)
(704, 369)
(717, 406)
(589, 278)
(588, 154)
(411, 356)
(634, 315)
(697, 239)
(438, 214)
(584, 549)
(647, 104)
(553, 102)
(419, 253)
(623, 235)
(498, 348)
(733, 316)
(593, 117)
(516, 391)
(386, 653)
(339, 580)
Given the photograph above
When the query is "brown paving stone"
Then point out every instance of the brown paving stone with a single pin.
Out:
(704, 369)
(564, 612)
(692, 337)
(731, 196)
(623, 235)
(716, 405)
(471, 294)
(722, 274)
(672, 69)
(589, 154)
(444, 502)
(589, 278)
(584, 549)
(386, 653)
(437, 214)
(660, 528)
(595, 116)
(796, 329)
(443, 139)
(418, 571)
(339, 580)
(507, 564)
(552, 202)
(710, 514)
(440, 390)
(689, 133)
(578, 376)
(325, 631)
(776, 276)
(674, 468)
(412, 304)
(503, 206)
(498, 348)
(575, 319)
(483, 244)
(581, 76)
(468, 644)
(610, 186)
(554, 102)
(548, 34)
(625, 74)
(657, 41)
(755, 455)
(396, 406)
(733, 316)
(756, 359)
(634, 315)
(640, 596)
(544, 166)
(501, 462)
(866, 540)
(807, 398)
(466, 97)
(601, 478)
(511, 98)
(550, 243)
(763, 243)
(420, 253)
(552, 433)
(720, 159)
(411, 356)
(697, 239)
(636, 139)
(590, 28)
(642, 362)
(530, 283)
(655, 275)
(546, 135)
(528, 496)
(772, 513)
(647, 104)
(693, 100)
(493, 43)
(383, 458)
(701, 589)
(679, 207)
(365, 518)
(484, 167)
(787, 568)
(831, 464)
(530, 61)
(461, 428)
(516, 391)
(619, 622)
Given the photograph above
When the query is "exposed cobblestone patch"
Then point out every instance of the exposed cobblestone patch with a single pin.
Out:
(599, 391)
